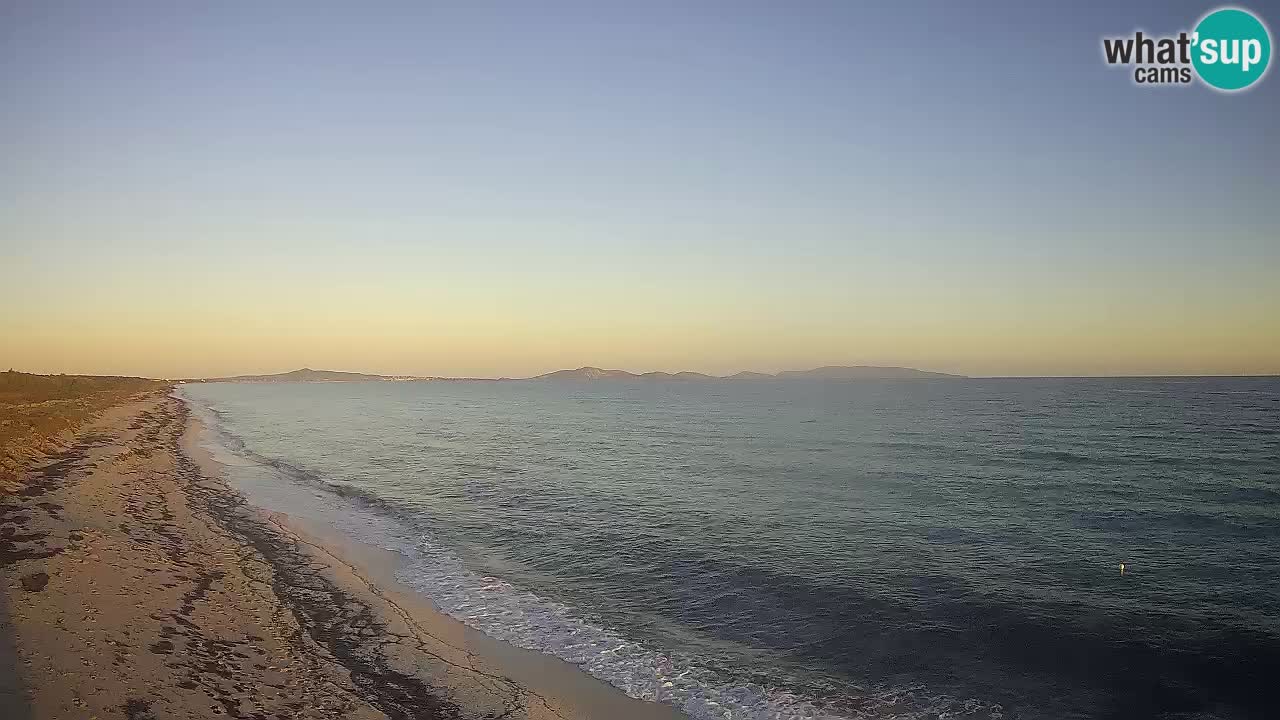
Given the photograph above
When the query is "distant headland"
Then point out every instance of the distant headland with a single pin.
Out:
(587, 373)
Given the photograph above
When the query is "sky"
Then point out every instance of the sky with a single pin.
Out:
(503, 189)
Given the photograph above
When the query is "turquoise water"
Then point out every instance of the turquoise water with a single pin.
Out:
(819, 549)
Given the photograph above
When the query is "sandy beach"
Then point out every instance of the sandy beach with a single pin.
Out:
(134, 583)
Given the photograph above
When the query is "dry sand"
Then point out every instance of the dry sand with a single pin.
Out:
(135, 584)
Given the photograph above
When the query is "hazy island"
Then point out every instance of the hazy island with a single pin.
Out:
(309, 375)
(589, 373)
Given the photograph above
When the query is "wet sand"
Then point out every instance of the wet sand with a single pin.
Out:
(134, 583)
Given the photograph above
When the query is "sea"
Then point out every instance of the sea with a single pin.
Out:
(950, 548)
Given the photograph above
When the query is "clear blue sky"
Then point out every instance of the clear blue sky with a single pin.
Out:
(423, 187)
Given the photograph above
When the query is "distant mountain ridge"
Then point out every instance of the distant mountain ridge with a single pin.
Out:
(589, 373)
(828, 372)
(309, 375)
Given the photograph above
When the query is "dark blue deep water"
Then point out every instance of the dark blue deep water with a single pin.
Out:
(928, 548)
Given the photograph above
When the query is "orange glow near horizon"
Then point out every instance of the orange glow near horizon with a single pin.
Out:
(161, 322)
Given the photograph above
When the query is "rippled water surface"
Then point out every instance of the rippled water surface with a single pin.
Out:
(805, 548)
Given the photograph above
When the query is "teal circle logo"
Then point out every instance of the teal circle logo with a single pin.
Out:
(1231, 49)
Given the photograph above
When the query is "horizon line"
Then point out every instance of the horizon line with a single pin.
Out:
(939, 374)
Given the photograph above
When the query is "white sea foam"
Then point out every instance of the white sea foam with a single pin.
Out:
(526, 620)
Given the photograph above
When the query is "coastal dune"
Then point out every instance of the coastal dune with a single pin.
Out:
(134, 583)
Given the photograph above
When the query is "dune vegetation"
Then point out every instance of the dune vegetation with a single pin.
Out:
(38, 412)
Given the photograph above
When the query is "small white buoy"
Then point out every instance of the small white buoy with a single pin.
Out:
(1121, 568)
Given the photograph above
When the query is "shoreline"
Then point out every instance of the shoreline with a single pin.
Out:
(136, 583)
(562, 688)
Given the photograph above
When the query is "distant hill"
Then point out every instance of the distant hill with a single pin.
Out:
(748, 375)
(830, 372)
(863, 372)
(686, 375)
(595, 373)
(588, 373)
(309, 375)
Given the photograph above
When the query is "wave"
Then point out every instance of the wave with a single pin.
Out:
(527, 620)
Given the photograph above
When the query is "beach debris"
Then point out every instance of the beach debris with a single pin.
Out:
(35, 582)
